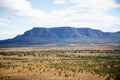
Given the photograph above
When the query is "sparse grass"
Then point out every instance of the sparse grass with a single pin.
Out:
(60, 63)
(1, 65)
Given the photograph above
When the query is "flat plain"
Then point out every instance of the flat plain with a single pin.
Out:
(60, 63)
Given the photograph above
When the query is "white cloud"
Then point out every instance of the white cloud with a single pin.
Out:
(6, 35)
(20, 8)
(85, 13)
(4, 22)
(89, 13)
(60, 2)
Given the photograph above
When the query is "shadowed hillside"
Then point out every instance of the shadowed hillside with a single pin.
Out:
(63, 36)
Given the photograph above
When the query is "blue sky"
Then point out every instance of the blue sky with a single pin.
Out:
(17, 16)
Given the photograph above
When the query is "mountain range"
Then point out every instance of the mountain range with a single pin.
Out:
(63, 36)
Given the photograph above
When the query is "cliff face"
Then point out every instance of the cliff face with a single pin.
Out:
(63, 35)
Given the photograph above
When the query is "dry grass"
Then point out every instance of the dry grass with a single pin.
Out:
(58, 63)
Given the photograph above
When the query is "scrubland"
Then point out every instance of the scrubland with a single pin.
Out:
(60, 63)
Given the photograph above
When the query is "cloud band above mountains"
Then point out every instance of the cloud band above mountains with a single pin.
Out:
(84, 13)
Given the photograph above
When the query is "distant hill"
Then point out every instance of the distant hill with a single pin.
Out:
(62, 36)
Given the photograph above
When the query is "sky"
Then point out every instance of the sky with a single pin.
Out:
(18, 16)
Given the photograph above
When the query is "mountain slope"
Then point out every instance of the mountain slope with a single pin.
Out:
(63, 35)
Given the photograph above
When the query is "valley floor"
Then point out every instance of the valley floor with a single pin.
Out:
(60, 63)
